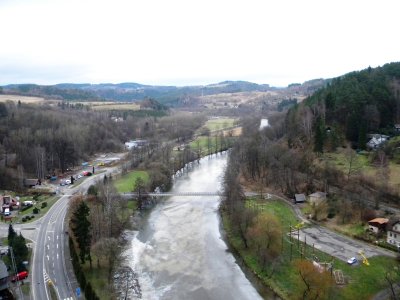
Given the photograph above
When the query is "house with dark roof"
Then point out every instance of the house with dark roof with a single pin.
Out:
(393, 233)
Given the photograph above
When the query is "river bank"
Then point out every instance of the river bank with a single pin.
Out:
(263, 288)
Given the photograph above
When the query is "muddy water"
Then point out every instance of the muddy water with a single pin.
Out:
(179, 254)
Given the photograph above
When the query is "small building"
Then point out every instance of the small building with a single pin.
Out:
(299, 198)
(397, 127)
(377, 140)
(31, 182)
(317, 197)
(393, 233)
(378, 225)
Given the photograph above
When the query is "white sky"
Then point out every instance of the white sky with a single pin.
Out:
(185, 42)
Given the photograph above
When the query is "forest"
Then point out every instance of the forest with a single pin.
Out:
(42, 140)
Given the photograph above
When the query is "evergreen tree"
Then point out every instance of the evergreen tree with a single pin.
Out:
(81, 229)
(11, 234)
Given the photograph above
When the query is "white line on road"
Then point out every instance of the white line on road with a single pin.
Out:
(48, 247)
(48, 258)
(57, 246)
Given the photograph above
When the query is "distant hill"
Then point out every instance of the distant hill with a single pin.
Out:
(170, 95)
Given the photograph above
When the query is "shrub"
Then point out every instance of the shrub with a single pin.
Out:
(44, 204)
(35, 210)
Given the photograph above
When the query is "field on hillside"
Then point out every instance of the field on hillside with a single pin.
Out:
(25, 99)
(219, 123)
(361, 164)
(112, 105)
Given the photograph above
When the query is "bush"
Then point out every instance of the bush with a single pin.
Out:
(44, 204)
(36, 210)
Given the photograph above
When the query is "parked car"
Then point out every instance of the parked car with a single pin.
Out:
(67, 181)
(20, 276)
(352, 261)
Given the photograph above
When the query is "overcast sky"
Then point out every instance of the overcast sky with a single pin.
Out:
(184, 42)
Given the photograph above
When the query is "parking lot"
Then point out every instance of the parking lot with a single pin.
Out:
(339, 246)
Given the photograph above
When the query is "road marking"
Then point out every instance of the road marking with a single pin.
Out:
(57, 255)
(48, 247)
(57, 246)
(48, 258)
(57, 237)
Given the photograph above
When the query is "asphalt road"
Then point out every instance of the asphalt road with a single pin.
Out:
(337, 245)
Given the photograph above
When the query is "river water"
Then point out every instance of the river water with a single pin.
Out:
(179, 252)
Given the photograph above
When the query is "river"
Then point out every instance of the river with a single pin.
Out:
(179, 253)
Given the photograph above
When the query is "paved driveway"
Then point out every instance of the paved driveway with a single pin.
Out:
(338, 245)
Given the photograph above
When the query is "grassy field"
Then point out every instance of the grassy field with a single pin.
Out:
(115, 106)
(125, 184)
(203, 142)
(363, 165)
(362, 281)
(25, 99)
(220, 123)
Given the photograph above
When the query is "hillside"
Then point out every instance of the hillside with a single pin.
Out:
(232, 92)
(362, 102)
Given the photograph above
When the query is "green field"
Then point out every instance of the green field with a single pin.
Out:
(125, 184)
(220, 123)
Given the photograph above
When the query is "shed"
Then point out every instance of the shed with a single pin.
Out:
(299, 198)
(378, 224)
(30, 182)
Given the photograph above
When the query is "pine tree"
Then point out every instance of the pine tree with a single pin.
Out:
(81, 229)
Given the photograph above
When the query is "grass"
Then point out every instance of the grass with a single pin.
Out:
(276, 208)
(203, 141)
(220, 123)
(125, 184)
(280, 274)
(114, 106)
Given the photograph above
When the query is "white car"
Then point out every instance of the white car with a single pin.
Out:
(67, 181)
(352, 261)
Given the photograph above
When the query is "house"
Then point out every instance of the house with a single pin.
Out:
(7, 201)
(378, 225)
(317, 197)
(299, 198)
(376, 140)
(393, 233)
(3, 276)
